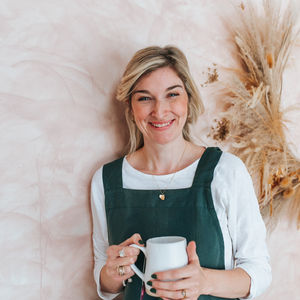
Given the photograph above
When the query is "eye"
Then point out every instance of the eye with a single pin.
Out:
(145, 98)
(171, 95)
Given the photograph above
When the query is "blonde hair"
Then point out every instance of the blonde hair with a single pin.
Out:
(146, 61)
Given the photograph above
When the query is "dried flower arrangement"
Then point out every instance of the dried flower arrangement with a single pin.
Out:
(254, 122)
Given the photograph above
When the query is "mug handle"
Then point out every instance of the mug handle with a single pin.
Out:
(134, 267)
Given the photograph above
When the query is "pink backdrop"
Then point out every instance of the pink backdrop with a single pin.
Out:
(61, 62)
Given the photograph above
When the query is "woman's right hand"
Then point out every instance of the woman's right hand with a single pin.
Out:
(115, 262)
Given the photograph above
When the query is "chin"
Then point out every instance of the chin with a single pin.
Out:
(163, 140)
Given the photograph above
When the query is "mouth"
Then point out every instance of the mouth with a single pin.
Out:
(161, 125)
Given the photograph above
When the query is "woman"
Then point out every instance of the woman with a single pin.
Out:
(168, 185)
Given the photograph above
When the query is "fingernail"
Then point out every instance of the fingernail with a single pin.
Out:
(141, 242)
(153, 290)
(149, 283)
(154, 276)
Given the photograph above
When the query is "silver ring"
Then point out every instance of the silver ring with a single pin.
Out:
(183, 293)
(121, 270)
(122, 253)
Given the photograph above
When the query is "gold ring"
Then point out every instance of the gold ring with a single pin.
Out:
(184, 294)
(121, 270)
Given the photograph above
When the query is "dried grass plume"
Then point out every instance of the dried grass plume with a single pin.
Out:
(254, 123)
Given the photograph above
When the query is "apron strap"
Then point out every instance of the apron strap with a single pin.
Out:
(205, 170)
(112, 175)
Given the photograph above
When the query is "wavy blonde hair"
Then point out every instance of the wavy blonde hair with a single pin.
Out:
(143, 63)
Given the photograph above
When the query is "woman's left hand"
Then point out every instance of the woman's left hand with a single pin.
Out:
(189, 280)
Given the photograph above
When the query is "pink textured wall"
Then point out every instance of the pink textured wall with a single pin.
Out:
(60, 63)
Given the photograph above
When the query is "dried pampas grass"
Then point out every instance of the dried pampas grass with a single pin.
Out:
(254, 123)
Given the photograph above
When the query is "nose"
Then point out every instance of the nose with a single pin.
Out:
(160, 109)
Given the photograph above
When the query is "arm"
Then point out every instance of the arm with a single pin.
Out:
(100, 238)
(107, 259)
(197, 281)
(227, 283)
(245, 225)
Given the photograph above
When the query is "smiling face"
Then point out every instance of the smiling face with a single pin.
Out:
(159, 105)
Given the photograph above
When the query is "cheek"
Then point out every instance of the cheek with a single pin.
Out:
(139, 112)
(181, 109)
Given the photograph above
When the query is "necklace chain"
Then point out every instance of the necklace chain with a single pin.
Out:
(162, 194)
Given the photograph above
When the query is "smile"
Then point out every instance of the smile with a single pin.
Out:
(161, 125)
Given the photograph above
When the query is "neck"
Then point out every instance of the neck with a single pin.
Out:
(164, 159)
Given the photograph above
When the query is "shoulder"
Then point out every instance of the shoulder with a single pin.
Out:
(114, 164)
(109, 167)
(97, 177)
(229, 162)
(233, 188)
(231, 171)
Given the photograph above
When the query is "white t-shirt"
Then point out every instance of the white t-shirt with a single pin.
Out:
(236, 206)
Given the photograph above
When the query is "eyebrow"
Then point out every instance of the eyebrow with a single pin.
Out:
(168, 89)
(174, 86)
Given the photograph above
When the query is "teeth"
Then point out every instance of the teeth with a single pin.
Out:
(161, 125)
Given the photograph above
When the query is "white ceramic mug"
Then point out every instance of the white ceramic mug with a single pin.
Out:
(162, 254)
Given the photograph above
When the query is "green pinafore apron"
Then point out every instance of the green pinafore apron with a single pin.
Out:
(187, 212)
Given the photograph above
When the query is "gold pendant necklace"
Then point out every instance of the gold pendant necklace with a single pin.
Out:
(162, 195)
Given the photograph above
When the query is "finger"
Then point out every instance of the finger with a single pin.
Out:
(126, 261)
(189, 283)
(135, 239)
(177, 274)
(165, 294)
(121, 261)
(113, 273)
(191, 252)
(115, 251)
(170, 285)
(127, 251)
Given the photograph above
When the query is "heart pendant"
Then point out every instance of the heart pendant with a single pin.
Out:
(162, 196)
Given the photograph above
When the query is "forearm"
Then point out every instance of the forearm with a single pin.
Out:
(108, 285)
(234, 283)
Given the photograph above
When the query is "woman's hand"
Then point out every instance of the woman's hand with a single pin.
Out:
(190, 279)
(119, 259)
